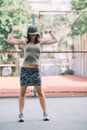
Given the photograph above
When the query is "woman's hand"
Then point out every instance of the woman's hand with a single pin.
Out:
(46, 31)
(17, 30)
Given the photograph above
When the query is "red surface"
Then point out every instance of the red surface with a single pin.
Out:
(52, 86)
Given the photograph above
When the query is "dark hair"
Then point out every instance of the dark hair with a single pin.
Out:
(31, 31)
(36, 39)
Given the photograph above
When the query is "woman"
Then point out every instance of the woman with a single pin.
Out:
(30, 74)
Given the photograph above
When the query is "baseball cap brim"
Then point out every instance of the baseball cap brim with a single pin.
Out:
(34, 33)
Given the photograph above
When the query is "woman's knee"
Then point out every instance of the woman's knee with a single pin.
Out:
(23, 92)
(40, 93)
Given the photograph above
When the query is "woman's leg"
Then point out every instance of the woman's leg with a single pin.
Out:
(41, 98)
(42, 102)
(22, 98)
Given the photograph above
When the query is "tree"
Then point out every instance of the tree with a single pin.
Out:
(79, 4)
(79, 27)
(12, 14)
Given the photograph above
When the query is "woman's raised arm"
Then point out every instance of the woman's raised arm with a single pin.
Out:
(50, 41)
(11, 38)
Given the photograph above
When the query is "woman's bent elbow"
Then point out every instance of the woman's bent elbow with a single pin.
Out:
(56, 41)
(8, 41)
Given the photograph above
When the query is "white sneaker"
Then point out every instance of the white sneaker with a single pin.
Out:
(21, 118)
(46, 117)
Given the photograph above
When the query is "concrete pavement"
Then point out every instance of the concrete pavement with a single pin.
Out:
(69, 113)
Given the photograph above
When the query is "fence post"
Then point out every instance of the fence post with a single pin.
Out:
(33, 23)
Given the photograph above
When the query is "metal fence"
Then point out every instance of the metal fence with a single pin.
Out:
(57, 63)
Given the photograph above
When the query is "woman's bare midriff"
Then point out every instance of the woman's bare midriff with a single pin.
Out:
(30, 66)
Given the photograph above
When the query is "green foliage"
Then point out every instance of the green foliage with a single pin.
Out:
(16, 17)
(60, 20)
(79, 27)
(62, 43)
(13, 5)
(68, 72)
(72, 47)
(79, 4)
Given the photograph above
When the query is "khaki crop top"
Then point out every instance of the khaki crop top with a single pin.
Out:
(32, 54)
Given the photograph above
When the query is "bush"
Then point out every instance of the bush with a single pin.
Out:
(69, 72)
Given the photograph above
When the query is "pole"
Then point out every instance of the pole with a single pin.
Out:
(33, 23)
(33, 19)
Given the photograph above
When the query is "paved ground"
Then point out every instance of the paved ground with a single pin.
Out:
(52, 86)
(65, 114)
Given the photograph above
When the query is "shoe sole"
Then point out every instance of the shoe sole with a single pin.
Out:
(21, 120)
(46, 119)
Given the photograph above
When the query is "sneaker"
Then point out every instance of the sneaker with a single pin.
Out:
(21, 118)
(46, 117)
